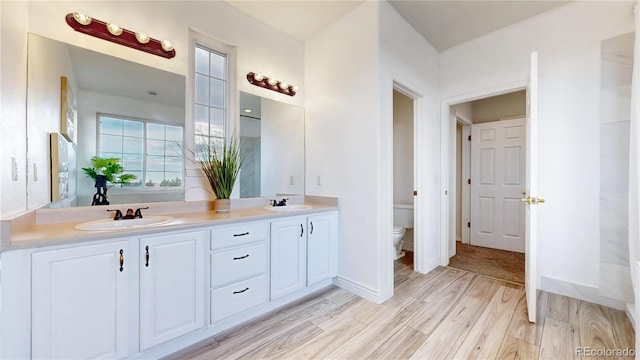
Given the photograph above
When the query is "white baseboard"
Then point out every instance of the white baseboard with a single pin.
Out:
(579, 291)
(429, 265)
(630, 309)
(407, 247)
(361, 290)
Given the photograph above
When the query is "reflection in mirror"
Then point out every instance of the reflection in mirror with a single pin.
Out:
(125, 110)
(272, 146)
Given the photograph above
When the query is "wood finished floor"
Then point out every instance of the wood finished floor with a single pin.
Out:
(445, 314)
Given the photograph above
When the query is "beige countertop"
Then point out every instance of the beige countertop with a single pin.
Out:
(48, 233)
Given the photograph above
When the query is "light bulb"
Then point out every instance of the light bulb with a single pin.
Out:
(283, 85)
(295, 89)
(142, 37)
(82, 19)
(166, 45)
(258, 77)
(272, 81)
(114, 29)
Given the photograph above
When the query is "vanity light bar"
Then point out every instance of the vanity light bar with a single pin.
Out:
(262, 81)
(114, 33)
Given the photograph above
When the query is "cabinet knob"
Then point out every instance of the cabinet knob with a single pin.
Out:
(241, 291)
(147, 256)
(121, 260)
(301, 230)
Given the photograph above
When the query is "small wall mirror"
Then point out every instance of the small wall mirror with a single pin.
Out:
(272, 146)
(123, 110)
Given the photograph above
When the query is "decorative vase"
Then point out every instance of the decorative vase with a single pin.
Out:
(223, 206)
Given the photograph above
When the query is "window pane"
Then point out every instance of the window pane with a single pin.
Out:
(202, 61)
(155, 131)
(155, 163)
(202, 120)
(217, 122)
(137, 181)
(132, 145)
(155, 147)
(132, 162)
(202, 89)
(173, 133)
(133, 128)
(172, 179)
(173, 163)
(217, 93)
(173, 148)
(218, 66)
(110, 143)
(110, 126)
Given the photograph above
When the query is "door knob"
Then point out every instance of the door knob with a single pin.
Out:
(533, 200)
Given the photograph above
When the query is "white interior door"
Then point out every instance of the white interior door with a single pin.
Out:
(531, 211)
(497, 183)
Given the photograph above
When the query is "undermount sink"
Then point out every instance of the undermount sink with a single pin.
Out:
(110, 224)
(290, 207)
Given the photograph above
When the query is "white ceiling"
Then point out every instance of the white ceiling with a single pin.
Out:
(444, 23)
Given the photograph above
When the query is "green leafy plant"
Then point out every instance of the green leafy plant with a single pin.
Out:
(221, 166)
(110, 168)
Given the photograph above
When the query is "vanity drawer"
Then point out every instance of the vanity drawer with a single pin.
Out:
(226, 236)
(236, 264)
(236, 298)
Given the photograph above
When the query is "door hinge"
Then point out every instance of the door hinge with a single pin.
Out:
(415, 192)
(469, 181)
(469, 224)
(469, 138)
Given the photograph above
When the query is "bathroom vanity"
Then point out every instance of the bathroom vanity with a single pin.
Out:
(148, 292)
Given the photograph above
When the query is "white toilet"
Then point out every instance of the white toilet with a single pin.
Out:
(398, 234)
(402, 220)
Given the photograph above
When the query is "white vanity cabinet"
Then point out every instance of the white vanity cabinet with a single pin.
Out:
(171, 286)
(239, 268)
(80, 302)
(321, 247)
(288, 256)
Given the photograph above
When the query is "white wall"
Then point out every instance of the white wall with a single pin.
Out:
(402, 149)
(568, 41)
(349, 137)
(259, 48)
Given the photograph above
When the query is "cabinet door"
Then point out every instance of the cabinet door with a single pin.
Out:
(80, 302)
(321, 257)
(171, 286)
(288, 256)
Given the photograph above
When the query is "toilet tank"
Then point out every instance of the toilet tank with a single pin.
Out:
(403, 215)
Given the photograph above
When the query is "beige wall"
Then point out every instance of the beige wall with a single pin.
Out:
(402, 149)
(499, 107)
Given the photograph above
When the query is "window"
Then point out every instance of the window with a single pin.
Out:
(211, 91)
(151, 151)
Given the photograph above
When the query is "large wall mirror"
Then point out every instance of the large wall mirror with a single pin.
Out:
(136, 113)
(122, 110)
(272, 146)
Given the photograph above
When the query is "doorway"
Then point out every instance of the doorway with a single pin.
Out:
(403, 181)
(489, 180)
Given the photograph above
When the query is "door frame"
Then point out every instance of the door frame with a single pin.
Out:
(447, 160)
(465, 194)
(418, 248)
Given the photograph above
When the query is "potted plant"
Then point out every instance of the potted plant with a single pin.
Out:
(103, 171)
(221, 167)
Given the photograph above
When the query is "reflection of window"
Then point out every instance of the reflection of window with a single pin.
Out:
(151, 151)
(210, 97)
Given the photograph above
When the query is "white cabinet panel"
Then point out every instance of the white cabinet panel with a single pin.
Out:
(171, 286)
(234, 235)
(235, 298)
(288, 256)
(80, 302)
(321, 257)
(237, 264)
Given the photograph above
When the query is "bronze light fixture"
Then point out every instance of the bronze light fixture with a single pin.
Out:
(270, 83)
